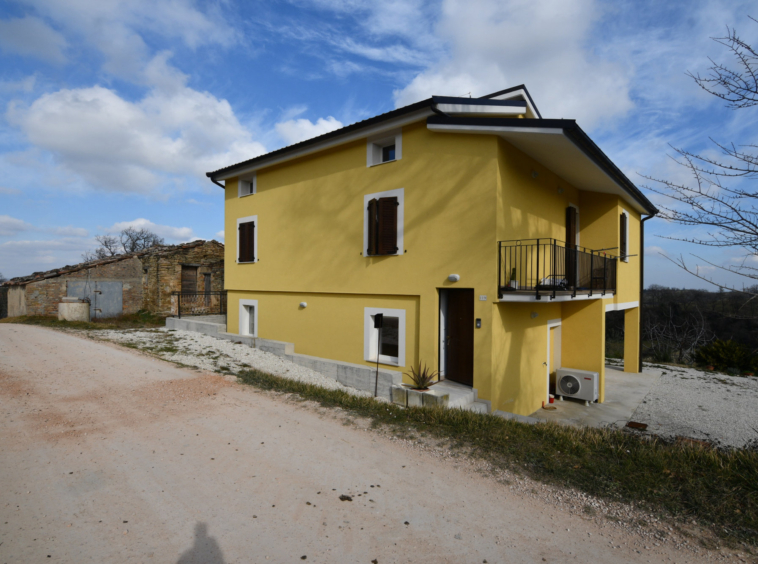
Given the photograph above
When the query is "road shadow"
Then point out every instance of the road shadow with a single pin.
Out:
(205, 549)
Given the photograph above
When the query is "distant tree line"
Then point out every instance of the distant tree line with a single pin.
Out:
(677, 323)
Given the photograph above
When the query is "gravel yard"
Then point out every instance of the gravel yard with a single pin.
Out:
(218, 355)
(702, 405)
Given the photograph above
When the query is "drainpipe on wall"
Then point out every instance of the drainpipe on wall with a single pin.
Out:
(642, 278)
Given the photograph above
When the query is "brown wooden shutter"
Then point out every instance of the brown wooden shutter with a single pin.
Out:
(571, 227)
(247, 242)
(373, 227)
(622, 238)
(387, 239)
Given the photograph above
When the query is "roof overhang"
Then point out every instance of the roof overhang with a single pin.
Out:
(479, 106)
(559, 145)
(367, 128)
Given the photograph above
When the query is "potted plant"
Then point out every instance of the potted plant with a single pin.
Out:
(514, 281)
(417, 393)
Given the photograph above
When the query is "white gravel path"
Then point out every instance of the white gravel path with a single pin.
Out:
(219, 355)
(702, 405)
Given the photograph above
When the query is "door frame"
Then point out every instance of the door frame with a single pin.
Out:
(550, 325)
(443, 329)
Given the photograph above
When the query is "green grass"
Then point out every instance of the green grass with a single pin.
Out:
(139, 320)
(716, 487)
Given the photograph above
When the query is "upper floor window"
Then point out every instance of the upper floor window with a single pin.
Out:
(624, 236)
(247, 239)
(383, 223)
(247, 186)
(384, 148)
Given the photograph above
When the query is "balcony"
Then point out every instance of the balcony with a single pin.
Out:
(533, 269)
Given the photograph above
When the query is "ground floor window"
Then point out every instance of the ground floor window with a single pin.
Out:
(388, 343)
(248, 314)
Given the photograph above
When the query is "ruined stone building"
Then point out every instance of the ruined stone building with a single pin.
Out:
(123, 284)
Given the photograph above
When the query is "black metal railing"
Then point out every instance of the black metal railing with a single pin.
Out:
(200, 303)
(549, 267)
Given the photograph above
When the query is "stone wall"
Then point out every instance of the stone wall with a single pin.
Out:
(43, 296)
(149, 278)
(162, 273)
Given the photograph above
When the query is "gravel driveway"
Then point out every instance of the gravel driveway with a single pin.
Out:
(702, 405)
(108, 455)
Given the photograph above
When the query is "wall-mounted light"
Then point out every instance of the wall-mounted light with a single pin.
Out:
(454, 277)
(534, 314)
(303, 305)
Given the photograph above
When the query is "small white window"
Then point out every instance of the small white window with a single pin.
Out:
(399, 194)
(385, 148)
(247, 186)
(248, 324)
(389, 341)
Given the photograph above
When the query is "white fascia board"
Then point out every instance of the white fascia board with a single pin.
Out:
(546, 298)
(516, 94)
(378, 129)
(621, 306)
(491, 129)
(481, 109)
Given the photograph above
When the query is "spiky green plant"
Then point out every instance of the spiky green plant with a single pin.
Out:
(422, 377)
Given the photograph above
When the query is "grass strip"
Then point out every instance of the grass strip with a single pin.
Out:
(139, 320)
(716, 487)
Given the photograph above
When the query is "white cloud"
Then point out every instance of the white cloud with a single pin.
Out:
(30, 36)
(20, 258)
(114, 27)
(23, 85)
(296, 130)
(10, 226)
(220, 236)
(122, 146)
(70, 231)
(173, 234)
(542, 43)
(9, 191)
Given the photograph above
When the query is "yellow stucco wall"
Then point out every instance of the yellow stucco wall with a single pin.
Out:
(462, 194)
(310, 237)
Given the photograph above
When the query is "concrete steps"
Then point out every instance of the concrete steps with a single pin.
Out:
(462, 397)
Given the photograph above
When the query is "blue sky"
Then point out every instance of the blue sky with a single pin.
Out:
(112, 110)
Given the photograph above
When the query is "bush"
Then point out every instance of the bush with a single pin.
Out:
(726, 355)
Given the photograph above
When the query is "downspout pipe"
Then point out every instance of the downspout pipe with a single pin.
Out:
(642, 278)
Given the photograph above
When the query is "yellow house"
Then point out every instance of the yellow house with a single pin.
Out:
(493, 242)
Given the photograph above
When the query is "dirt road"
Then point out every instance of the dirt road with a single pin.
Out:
(107, 455)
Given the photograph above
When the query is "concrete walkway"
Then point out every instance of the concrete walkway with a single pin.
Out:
(624, 393)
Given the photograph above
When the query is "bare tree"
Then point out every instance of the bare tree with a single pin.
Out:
(729, 212)
(130, 240)
(679, 334)
(2, 278)
(133, 240)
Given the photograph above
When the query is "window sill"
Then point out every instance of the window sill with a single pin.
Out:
(385, 361)
(247, 261)
(246, 195)
(382, 163)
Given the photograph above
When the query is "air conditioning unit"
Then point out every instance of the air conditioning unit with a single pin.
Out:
(577, 384)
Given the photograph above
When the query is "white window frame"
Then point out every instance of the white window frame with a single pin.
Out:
(371, 336)
(398, 193)
(247, 186)
(557, 357)
(244, 317)
(375, 144)
(248, 219)
(625, 252)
